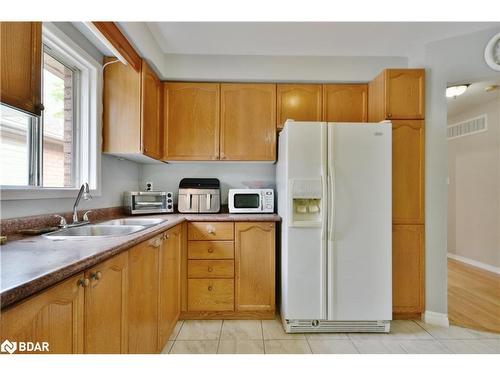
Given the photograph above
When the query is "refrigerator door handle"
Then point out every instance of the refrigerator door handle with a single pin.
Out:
(332, 188)
(324, 207)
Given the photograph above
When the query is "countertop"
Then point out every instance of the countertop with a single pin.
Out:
(31, 264)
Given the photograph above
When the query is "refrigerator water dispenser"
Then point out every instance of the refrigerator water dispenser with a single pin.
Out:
(306, 202)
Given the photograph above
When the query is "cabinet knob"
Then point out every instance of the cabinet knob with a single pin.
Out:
(96, 275)
(389, 115)
(146, 150)
(210, 288)
(210, 251)
(83, 282)
(210, 269)
(156, 243)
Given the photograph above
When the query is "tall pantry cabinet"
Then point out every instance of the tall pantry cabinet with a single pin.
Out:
(399, 95)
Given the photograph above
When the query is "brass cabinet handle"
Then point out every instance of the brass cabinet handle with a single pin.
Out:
(155, 242)
(210, 288)
(210, 251)
(83, 282)
(96, 275)
(210, 269)
(389, 115)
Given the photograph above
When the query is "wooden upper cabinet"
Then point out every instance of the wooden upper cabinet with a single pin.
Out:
(21, 65)
(132, 111)
(191, 121)
(106, 304)
(407, 269)
(122, 109)
(408, 171)
(143, 297)
(345, 103)
(151, 103)
(248, 121)
(254, 256)
(54, 315)
(170, 284)
(397, 94)
(299, 102)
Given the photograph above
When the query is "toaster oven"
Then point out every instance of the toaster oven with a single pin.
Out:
(148, 202)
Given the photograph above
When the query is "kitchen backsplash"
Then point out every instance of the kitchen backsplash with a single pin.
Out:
(166, 177)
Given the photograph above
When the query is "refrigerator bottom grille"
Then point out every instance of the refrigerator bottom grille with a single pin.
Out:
(311, 326)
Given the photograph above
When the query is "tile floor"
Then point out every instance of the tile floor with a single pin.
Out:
(268, 337)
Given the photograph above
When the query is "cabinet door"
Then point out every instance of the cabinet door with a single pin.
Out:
(170, 283)
(345, 103)
(21, 65)
(407, 268)
(143, 297)
(54, 316)
(191, 121)
(248, 122)
(151, 113)
(405, 93)
(408, 171)
(254, 266)
(121, 131)
(298, 102)
(106, 304)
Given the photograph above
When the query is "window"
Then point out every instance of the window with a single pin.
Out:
(60, 150)
(58, 122)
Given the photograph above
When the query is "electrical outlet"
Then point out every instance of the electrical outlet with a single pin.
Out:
(149, 185)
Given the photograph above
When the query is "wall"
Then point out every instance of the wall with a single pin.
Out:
(116, 175)
(277, 68)
(167, 177)
(450, 60)
(474, 189)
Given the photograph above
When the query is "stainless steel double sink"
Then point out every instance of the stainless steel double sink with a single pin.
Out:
(117, 227)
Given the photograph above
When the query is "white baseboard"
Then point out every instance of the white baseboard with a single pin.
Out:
(437, 319)
(475, 263)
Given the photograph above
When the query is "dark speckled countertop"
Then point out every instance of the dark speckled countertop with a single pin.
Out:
(31, 264)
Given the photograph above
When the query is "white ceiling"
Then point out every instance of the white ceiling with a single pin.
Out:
(305, 38)
(473, 96)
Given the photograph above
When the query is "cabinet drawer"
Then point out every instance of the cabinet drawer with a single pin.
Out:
(211, 268)
(210, 250)
(210, 231)
(210, 295)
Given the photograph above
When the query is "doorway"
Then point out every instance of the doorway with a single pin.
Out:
(474, 206)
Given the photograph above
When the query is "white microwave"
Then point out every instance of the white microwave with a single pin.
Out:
(251, 200)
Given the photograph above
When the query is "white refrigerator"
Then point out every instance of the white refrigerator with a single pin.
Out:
(334, 188)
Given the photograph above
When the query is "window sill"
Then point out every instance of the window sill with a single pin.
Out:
(8, 193)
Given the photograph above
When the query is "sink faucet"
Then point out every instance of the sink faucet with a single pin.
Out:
(85, 194)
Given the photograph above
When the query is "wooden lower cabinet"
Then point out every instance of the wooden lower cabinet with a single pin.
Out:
(106, 307)
(232, 277)
(210, 294)
(55, 315)
(254, 264)
(170, 284)
(143, 296)
(407, 270)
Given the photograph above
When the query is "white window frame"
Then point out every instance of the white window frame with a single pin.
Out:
(88, 116)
